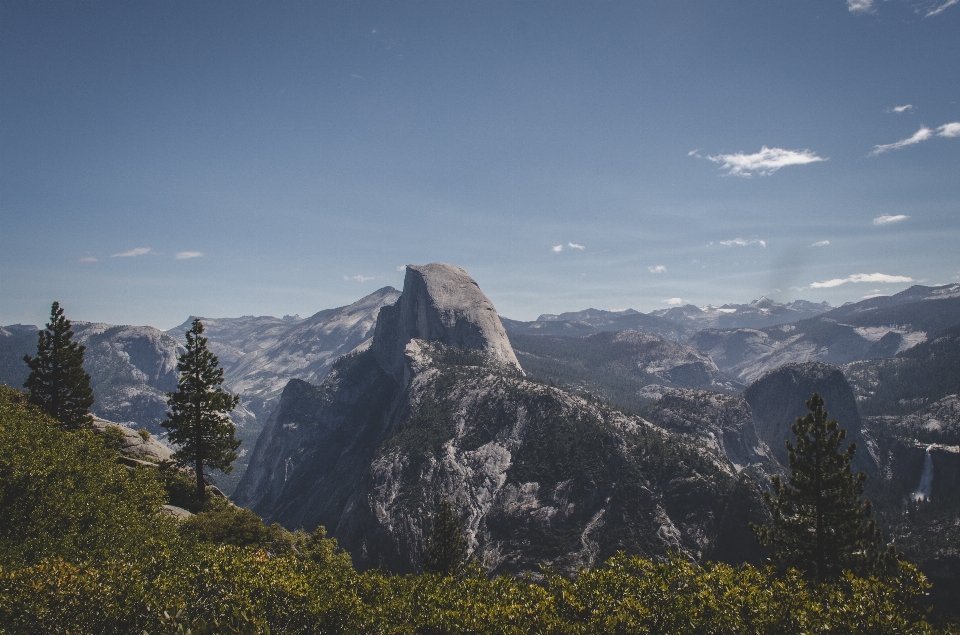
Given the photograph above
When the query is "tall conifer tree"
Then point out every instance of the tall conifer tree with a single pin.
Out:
(198, 420)
(57, 383)
(821, 525)
(445, 551)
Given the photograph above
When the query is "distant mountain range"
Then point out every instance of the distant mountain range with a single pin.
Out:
(534, 428)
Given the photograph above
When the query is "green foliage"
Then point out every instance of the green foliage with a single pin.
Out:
(445, 551)
(62, 495)
(144, 434)
(228, 524)
(83, 549)
(58, 385)
(113, 437)
(198, 421)
(913, 379)
(820, 525)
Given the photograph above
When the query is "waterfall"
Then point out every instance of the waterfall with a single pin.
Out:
(925, 485)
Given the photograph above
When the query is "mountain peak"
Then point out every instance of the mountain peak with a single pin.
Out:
(440, 302)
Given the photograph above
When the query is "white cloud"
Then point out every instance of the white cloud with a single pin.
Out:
(941, 8)
(949, 129)
(889, 219)
(358, 278)
(89, 259)
(656, 269)
(902, 109)
(764, 163)
(740, 242)
(139, 251)
(860, 277)
(821, 243)
(575, 246)
(187, 255)
(860, 6)
(922, 134)
(401, 267)
(557, 249)
(673, 301)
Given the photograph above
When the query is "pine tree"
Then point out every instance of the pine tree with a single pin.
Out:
(58, 385)
(198, 421)
(445, 551)
(821, 525)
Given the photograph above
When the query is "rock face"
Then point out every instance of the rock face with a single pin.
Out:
(135, 445)
(436, 409)
(779, 397)
(719, 421)
(440, 303)
(132, 368)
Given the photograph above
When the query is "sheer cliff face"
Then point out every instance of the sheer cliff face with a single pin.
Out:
(440, 303)
(779, 397)
(438, 409)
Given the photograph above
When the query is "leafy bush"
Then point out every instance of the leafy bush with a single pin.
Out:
(113, 437)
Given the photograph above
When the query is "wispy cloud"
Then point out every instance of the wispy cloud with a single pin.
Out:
(741, 242)
(656, 269)
(860, 6)
(556, 249)
(575, 246)
(860, 277)
(941, 8)
(920, 6)
(922, 134)
(902, 109)
(673, 301)
(187, 255)
(89, 259)
(139, 251)
(949, 129)
(889, 219)
(764, 163)
(821, 243)
(358, 278)
(401, 267)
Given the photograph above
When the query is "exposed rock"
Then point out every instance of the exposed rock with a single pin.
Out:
(536, 474)
(719, 421)
(780, 396)
(134, 444)
(177, 513)
(132, 368)
(440, 303)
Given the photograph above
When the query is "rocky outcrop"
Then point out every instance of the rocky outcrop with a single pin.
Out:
(780, 396)
(720, 421)
(132, 368)
(135, 444)
(440, 303)
(538, 475)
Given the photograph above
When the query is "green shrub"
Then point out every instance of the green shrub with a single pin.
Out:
(113, 437)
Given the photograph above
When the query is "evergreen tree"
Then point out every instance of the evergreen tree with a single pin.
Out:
(198, 421)
(58, 385)
(445, 551)
(821, 525)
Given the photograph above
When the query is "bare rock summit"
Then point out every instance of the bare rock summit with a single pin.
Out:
(440, 303)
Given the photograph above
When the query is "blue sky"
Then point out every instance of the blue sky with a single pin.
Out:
(164, 159)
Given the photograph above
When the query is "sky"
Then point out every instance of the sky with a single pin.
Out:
(166, 159)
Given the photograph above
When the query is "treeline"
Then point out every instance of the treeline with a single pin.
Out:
(85, 548)
(915, 378)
